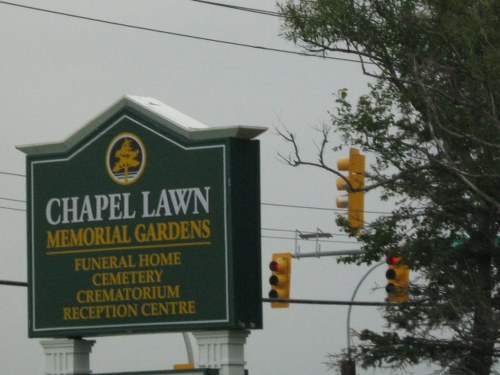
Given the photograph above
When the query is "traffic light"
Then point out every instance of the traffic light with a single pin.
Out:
(281, 267)
(398, 279)
(355, 199)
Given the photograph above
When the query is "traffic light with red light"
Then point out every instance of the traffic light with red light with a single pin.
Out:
(353, 184)
(281, 268)
(398, 279)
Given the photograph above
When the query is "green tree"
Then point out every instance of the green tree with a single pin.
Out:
(431, 122)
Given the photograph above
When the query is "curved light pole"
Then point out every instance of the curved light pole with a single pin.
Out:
(350, 306)
(189, 347)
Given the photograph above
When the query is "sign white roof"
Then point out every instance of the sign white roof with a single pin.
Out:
(158, 111)
(169, 113)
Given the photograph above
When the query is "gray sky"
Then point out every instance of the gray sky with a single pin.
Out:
(57, 73)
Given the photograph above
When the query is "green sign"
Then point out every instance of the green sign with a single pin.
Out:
(140, 223)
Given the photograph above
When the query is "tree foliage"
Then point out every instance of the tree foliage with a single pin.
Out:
(431, 121)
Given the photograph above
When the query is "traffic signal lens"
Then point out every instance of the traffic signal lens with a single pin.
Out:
(342, 201)
(343, 164)
(278, 280)
(279, 265)
(392, 260)
(273, 266)
(273, 293)
(390, 274)
(341, 183)
(274, 280)
(391, 288)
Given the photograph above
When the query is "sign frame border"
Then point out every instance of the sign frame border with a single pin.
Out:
(232, 306)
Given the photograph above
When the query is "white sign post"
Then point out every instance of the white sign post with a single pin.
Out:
(223, 350)
(67, 356)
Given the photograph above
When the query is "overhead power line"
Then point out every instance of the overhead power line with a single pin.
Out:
(320, 208)
(298, 301)
(12, 200)
(302, 231)
(13, 174)
(13, 283)
(322, 241)
(263, 204)
(165, 32)
(236, 7)
(12, 208)
(328, 302)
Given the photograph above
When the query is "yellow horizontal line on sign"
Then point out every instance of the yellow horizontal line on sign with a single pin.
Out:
(80, 251)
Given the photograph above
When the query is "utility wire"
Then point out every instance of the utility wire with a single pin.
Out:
(302, 231)
(13, 174)
(297, 301)
(327, 302)
(12, 208)
(13, 283)
(236, 7)
(262, 204)
(300, 239)
(320, 208)
(12, 200)
(305, 207)
(149, 29)
(262, 236)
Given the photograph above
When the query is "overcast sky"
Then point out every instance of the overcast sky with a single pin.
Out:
(58, 72)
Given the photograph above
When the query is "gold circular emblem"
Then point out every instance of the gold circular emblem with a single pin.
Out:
(125, 158)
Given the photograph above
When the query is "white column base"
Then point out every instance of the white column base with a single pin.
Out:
(67, 356)
(223, 350)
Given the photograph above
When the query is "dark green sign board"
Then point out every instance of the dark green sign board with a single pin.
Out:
(139, 223)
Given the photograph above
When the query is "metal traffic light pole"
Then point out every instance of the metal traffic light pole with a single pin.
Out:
(350, 306)
(318, 253)
(328, 253)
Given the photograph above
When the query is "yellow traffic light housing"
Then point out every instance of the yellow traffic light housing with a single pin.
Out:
(353, 184)
(398, 279)
(281, 268)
